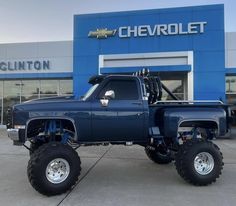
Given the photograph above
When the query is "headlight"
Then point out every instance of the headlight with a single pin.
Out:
(19, 127)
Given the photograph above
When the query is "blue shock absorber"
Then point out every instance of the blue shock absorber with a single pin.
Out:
(65, 137)
(46, 127)
(194, 130)
(50, 128)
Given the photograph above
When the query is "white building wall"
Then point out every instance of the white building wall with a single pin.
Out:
(230, 50)
(59, 54)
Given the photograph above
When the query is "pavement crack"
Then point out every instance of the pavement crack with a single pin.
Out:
(81, 179)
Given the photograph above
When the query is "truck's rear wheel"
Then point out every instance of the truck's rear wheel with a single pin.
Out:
(199, 162)
(53, 168)
(158, 155)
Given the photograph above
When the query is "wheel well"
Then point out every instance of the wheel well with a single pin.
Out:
(202, 124)
(36, 126)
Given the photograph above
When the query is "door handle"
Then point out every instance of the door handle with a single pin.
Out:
(137, 103)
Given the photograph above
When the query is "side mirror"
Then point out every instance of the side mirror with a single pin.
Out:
(110, 94)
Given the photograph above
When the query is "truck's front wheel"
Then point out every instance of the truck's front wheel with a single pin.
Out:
(53, 168)
(34, 146)
(199, 162)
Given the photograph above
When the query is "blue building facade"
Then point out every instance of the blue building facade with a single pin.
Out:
(188, 41)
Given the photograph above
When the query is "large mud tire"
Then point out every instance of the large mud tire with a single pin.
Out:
(53, 168)
(199, 162)
(158, 156)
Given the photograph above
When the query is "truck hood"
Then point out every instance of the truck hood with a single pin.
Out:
(50, 107)
(50, 99)
(50, 103)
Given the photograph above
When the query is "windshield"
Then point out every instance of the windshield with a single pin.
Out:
(90, 91)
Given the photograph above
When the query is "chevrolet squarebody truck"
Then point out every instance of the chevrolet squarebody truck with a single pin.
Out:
(118, 109)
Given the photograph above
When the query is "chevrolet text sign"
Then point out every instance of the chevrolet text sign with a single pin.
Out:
(148, 30)
(161, 29)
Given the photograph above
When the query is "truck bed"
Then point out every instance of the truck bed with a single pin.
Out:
(170, 114)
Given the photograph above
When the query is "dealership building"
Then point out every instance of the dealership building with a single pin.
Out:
(187, 47)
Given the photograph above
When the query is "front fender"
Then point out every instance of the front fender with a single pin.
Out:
(44, 118)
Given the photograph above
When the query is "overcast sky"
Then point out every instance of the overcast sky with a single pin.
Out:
(52, 20)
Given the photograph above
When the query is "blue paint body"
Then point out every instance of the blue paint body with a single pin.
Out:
(208, 48)
(119, 121)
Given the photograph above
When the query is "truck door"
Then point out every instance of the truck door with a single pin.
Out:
(123, 117)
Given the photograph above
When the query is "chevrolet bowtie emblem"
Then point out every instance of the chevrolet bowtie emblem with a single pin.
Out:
(102, 33)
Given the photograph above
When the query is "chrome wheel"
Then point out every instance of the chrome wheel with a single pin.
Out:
(203, 163)
(57, 170)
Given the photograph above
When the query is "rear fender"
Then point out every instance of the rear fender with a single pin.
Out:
(174, 118)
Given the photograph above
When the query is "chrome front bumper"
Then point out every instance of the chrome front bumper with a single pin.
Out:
(13, 134)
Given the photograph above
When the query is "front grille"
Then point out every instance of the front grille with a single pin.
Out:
(9, 117)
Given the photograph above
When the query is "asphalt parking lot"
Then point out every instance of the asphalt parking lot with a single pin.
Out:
(117, 175)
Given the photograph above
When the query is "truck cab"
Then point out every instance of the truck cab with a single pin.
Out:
(118, 102)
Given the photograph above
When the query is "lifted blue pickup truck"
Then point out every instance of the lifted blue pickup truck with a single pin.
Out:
(118, 109)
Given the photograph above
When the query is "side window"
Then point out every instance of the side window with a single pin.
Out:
(124, 89)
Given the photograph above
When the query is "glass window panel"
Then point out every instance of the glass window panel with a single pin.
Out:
(176, 87)
(231, 98)
(28, 97)
(16, 91)
(180, 96)
(166, 96)
(30, 90)
(1, 89)
(230, 84)
(12, 88)
(11, 95)
(66, 87)
(1, 102)
(49, 88)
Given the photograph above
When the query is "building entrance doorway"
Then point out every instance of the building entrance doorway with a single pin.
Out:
(174, 68)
